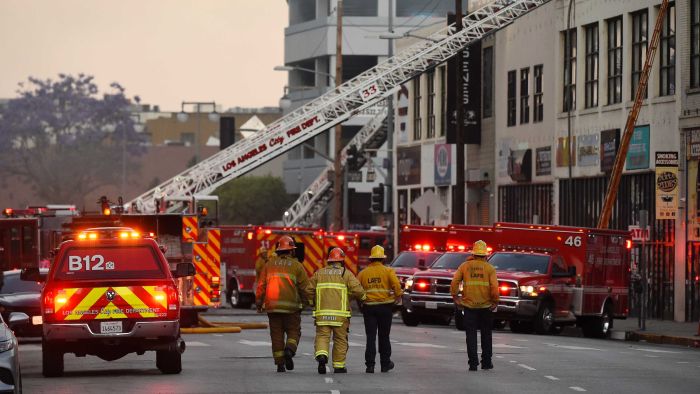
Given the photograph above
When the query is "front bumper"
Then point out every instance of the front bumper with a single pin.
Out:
(9, 364)
(510, 308)
(428, 304)
(83, 330)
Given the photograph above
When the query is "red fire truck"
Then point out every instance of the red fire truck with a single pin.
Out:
(552, 276)
(241, 248)
(419, 247)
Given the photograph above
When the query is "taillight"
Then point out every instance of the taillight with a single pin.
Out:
(170, 292)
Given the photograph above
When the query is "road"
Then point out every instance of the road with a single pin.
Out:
(429, 358)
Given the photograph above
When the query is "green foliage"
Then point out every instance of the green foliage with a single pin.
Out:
(253, 200)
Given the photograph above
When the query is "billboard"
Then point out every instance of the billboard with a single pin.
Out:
(638, 153)
(408, 165)
(609, 144)
(543, 161)
(443, 165)
(588, 150)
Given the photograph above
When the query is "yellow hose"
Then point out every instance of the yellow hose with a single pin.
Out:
(210, 330)
(206, 323)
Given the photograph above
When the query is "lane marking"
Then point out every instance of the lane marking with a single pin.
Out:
(420, 344)
(521, 340)
(551, 377)
(683, 362)
(651, 356)
(196, 344)
(513, 361)
(573, 347)
(576, 388)
(329, 380)
(306, 354)
(393, 341)
(254, 343)
(218, 335)
(529, 368)
(506, 346)
(328, 369)
(30, 348)
(335, 391)
(641, 349)
(499, 356)
(358, 335)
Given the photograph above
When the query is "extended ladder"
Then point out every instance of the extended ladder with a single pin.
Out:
(334, 107)
(314, 201)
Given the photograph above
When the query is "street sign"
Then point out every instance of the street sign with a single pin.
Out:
(428, 207)
(638, 234)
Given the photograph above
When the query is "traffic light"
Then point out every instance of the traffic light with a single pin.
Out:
(353, 158)
(104, 206)
(378, 198)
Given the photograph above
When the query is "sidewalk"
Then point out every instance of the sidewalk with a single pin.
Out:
(658, 331)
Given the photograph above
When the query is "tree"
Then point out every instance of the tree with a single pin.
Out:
(253, 200)
(66, 140)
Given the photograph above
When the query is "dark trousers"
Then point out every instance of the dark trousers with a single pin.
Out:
(285, 331)
(378, 320)
(481, 319)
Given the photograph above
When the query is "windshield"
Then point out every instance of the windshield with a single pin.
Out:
(520, 262)
(410, 259)
(13, 284)
(110, 262)
(450, 261)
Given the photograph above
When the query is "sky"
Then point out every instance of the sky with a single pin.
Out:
(164, 51)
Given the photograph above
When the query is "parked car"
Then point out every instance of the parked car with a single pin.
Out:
(10, 375)
(17, 295)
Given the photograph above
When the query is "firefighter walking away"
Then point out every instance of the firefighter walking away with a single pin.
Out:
(281, 293)
(479, 300)
(330, 289)
(383, 290)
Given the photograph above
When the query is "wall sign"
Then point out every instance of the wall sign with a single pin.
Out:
(667, 185)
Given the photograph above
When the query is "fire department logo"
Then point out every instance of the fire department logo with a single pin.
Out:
(110, 294)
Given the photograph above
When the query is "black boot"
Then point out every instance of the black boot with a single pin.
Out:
(322, 361)
(473, 367)
(340, 370)
(288, 362)
(388, 366)
(486, 364)
(280, 368)
(370, 369)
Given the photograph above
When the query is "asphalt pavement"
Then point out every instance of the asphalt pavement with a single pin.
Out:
(429, 358)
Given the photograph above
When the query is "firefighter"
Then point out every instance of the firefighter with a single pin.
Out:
(479, 300)
(262, 259)
(383, 291)
(328, 290)
(281, 291)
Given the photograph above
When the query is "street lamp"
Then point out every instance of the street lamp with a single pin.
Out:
(182, 117)
(285, 101)
(308, 70)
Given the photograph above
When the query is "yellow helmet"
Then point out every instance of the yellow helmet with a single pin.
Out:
(377, 253)
(480, 248)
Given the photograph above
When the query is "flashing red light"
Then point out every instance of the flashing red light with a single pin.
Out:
(629, 244)
(422, 285)
(250, 235)
(268, 231)
(489, 249)
(697, 278)
(505, 288)
(461, 247)
(341, 238)
(426, 247)
(419, 246)
(106, 211)
(450, 247)
(8, 212)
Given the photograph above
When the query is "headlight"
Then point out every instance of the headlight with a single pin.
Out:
(408, 284)
(6, 345)
(528, 291)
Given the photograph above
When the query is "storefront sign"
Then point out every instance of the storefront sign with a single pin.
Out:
(638, 153)
(563, 151)
(693, 146)
(543, 161)
(443, 164)
(609, 144)
(638, 234)
(408, 166)
(588, 150)
(667, 185)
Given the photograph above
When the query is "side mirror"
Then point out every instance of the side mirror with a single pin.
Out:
(421, 264)
(32, 274)
(183, 270)
(17, 319)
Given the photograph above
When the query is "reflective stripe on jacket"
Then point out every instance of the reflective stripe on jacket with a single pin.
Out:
(480, 285)
(381, 284)
(281, 285)
(329, 288)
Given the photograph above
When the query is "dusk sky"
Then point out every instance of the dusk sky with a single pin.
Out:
(164, 51)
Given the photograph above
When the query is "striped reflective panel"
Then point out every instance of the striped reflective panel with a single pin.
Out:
(343, 300)
(207, 261)
(190, 228)
(118, 302)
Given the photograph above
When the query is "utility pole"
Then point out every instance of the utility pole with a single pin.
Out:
(458, 195)
(338, 168)
(389, 181)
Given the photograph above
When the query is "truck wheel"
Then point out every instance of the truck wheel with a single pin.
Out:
(233, 295)
(544, 320)
(459, 320)
(520, 327)
(51, 361)
(599, 326)
(409, 319)
(169, 361)
(499, 324)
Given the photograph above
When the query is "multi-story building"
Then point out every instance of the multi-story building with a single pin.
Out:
(310, 50)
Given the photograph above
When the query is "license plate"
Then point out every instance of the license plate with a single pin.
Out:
(37, 320)
(110, 327)
(430, 305)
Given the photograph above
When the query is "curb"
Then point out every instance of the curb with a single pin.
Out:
(638, 336)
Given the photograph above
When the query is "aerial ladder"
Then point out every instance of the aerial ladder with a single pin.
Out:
(333, 107)
(313, 202)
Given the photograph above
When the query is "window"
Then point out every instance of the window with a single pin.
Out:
(431, 104)
(443, 99)
(524, 95)
(488, 82)
(301, 11)
(695, 43)
(667, 79)
(614, 60)
(354, 65)
(124, 262)
(538, 111)
(569, 70)
(416, 109)
(592, 65)
(360, 8)
(426, 8)
(511, 98)
(639, 47)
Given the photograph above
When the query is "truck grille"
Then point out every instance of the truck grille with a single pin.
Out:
(424, 285)
(507, 288)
